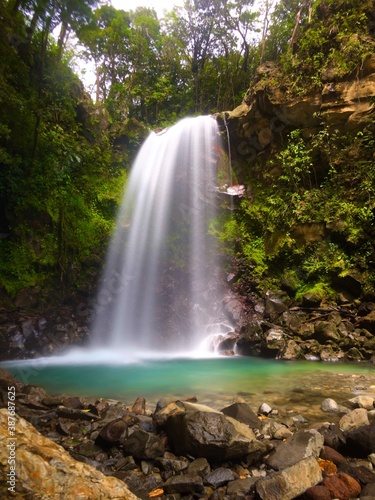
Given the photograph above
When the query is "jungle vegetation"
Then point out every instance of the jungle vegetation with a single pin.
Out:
(65, 150)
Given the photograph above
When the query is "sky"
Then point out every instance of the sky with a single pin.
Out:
(158, 5)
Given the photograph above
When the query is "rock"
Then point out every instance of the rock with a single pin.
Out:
(290, 482)
(276, 304)
(365, 402)
(301, 445)
(162, 415)
(185, 484)
(141, 444)
(354, 419)
(241, 486)
(172, 464)
(326, 330)
(213, 436)
(264, 409)
(368, 322)
(329, 405)
(199, 466)
(333, 436)
(334, 456)
(360, 473)
(311, 299)
(361, 441)
(46, 468)
(274, 339)
(342, 486)
(318, 492)
(290, 351)
(368, 492)
(113, 432)
(220, 477)
(139, 406)
(243, 413)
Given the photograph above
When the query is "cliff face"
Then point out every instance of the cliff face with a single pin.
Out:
(268, 112)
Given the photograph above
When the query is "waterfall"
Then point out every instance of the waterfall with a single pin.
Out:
(159, 285)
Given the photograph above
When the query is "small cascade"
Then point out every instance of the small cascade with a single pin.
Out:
(161, 273)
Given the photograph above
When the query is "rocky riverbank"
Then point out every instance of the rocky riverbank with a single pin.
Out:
(69, 447)
(271, 326)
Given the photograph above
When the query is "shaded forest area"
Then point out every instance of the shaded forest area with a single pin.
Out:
(65, 156)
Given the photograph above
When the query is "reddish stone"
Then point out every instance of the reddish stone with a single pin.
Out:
(332, 455)
(318, 492)
(342, 486)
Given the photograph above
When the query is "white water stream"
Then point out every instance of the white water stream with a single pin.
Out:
(157, 293)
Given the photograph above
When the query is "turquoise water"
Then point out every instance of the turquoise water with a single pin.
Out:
(299, 386)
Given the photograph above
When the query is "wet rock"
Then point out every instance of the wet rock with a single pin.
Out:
(301, 445)
(333, 436)
(184, 484)
(212, 436)
(144, 445)
(290, 482)
(161, 416)
(274, 339)
(329, 405)
(360, 473)
(326, 330)
(241, 487)
(220, 477)
(87, 449)
(46, 468)
(290, 351)
(311, 299)
(112, 433)
(199, 466)
(275, 305)
(342, 486)
(334, 456)
(139, 406)
(354, 419)
(360, 442)
(318, 492)
(125, 463)
(172, 464)
(243, 413)
(72, 414)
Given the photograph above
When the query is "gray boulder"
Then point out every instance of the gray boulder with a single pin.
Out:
(291, 482)
(301, 445)
(213, 436)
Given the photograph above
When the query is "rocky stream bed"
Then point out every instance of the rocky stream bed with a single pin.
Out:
(74, 448)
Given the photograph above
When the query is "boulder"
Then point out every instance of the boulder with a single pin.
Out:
(342, 486)
(301, 445)
(113, 432)
(45, 470)
(360, 442)
(213, 436)
(290, 482)
(329, 405)
(354, 419)
(184, 484)
(243, 413)
(143, 445)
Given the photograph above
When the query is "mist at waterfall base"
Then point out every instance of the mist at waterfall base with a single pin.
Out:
(160, 296)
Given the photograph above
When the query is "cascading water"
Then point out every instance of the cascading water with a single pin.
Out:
(159, 286)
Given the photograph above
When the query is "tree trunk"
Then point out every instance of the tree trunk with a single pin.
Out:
(61, 40)
(297, 21)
